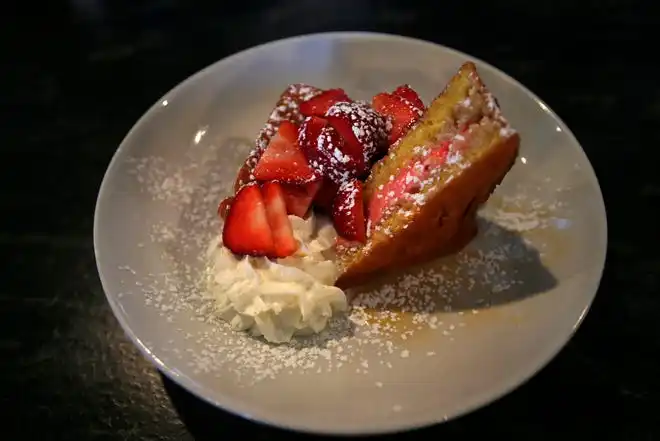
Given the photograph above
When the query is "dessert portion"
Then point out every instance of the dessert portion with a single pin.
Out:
(400, 183)
(422, 197)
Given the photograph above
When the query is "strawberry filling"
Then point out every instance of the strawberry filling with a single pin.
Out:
(406, 183)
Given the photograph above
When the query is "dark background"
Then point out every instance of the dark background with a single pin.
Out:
(76, 75)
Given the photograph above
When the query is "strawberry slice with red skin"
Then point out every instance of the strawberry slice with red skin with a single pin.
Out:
(308, 138)
(243, 177)
(363, 130)
(288, 131)
(298, 198)
(408, 93)
(284, 244)
(319, 105)
(351, 147)
(325, 196)
(348, 212)
(323, 146)
(223, 208)
(406, 182)
(246, 229)
(402, 114)
(283, 160)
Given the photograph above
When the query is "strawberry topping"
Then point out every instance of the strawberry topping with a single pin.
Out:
(363, 130)
(326, 195)
(286, 109)
(407, 93)
(283, 159)
(406, 183)
(323, 146)
(246, 230)
(298, 198)
(319, 105)
(348, 212)
(284, 244)
(223, 208)
(244, 176)
(318, 165)
(403, 115)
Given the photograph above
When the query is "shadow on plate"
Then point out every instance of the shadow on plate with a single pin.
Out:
(496, 268)
(206, 422)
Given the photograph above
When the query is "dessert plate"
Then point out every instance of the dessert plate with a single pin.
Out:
(416, 348)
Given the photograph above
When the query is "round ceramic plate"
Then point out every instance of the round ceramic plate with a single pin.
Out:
(415, 349)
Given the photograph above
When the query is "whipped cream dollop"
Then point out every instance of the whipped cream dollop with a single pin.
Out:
(280, 298)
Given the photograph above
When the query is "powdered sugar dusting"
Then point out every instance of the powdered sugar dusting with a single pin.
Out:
(330, 161)
(349, 190)
(286, 109)
(386, 319)
(369, 128)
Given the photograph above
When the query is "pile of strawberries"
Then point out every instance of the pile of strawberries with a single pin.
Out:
(321, 163)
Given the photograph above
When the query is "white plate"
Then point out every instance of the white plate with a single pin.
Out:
(503, 307)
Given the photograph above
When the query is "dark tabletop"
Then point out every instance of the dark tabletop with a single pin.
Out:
(76, 75)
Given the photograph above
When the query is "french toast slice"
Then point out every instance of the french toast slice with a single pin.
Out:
(422, 198)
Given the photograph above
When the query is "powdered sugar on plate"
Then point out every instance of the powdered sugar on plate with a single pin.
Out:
(385, 318)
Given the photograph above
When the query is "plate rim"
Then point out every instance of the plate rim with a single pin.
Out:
(240, 408)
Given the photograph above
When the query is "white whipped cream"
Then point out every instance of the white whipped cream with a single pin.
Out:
(284, 297)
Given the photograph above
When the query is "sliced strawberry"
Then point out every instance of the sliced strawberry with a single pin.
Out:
(326, 195)
(288, 131)
(244, 176)
(323, 147)
(407, 93)
(223, 208)
(406, 183)
(348, 212)
(401, 113)
(319, 105)
(246, 230)
(308, 137)
(298, 198)
(351, 147)
(284, 242)
(363, 130)
(283, 159)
